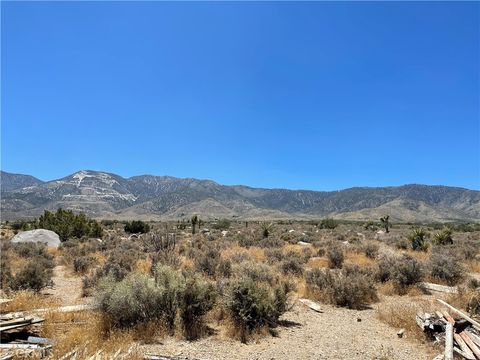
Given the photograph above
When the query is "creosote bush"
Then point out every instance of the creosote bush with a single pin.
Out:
(34, 276)
(406, 271)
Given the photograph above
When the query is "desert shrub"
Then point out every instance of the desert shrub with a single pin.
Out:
(137, 226)
(353, 290)
(274, 255)
(385, 267)
(225, 268)
(135, 299)
(402, 244)
(208, 262)
(197, 298)
(328, 224)
(256, 272)
(335, 257)
(418, 240)
(246, 241)
(446, 268)
(30, 250)
(83, 264)
(222, 224)
(171, 285)
(5, 272)
(466, 250)
(270, 242)
(406, 271)
(371, 250)
(443, 237)
(255, 305)
(67, 224)
(34, 276)
(292, 265)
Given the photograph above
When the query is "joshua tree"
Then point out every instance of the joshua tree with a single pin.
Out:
(385, 222)
(194, 223)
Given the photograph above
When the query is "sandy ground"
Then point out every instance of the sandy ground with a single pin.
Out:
(334, 334)
(67, 288)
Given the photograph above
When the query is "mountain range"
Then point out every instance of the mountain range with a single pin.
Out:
(109, 196)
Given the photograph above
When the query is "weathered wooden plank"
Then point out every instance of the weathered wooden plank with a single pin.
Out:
(311, 304)
(449, 342)
(26, 320)
(475, 324)
(438, 288)
(475, 338)
(20, 325)
(464, 347)
(474, 348)
(448, 317)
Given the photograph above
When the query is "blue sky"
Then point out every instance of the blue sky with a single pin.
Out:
(322, 96)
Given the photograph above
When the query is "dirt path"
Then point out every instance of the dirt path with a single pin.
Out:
(335, 334)
(66, 287)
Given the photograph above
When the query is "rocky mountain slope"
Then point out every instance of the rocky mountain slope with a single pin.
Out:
(105, 195)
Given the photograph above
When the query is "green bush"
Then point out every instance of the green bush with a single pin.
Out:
(67, 224)
(254, 305)
(207, 262)
(136, 299)
(83, 264)
(371, 250)
(223, 224)
(197, 298)
(136, 227)
(328, 224)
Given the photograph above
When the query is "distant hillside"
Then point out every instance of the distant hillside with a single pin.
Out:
(105, 195)
(10, 181)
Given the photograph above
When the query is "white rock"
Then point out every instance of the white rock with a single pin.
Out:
(38, 235)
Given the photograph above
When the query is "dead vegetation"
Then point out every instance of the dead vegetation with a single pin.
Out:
(238, 280)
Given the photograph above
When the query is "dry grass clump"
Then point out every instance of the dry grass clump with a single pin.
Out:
(401, 314)
(26, 300)
(348, 288)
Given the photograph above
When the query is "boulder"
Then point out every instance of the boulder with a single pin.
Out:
(39, 235)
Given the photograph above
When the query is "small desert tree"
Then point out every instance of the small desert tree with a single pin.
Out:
(418, 239)
(266, 228)
(385, 222)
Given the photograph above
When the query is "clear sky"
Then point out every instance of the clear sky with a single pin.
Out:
(321, 96)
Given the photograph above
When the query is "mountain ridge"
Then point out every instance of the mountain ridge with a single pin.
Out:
(107, 195)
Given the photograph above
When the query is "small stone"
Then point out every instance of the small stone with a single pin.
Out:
(358, 319)
(400, 333)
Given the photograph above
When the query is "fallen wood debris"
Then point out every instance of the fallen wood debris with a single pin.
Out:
(438, 288)
(311, 304)
(19, 342)
(461, 335)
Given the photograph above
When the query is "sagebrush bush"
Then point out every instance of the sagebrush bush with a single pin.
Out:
(136, 299)
(335, 257)
(255, 305)
(293, 266)
(274, 255)
(406, 271)
(349, 289)
(207, 262)
(385, 267)
(197, 298)
(34, 276)
(257, 272)
(447, 268)
(83, 264)
(371, 250)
